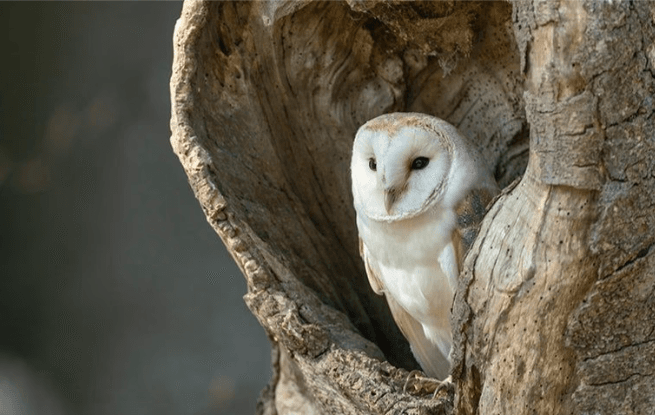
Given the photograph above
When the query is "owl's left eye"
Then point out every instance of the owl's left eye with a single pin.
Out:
(420, 163)
(371, 164)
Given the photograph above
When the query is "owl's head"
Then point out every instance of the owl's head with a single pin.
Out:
(405, 163)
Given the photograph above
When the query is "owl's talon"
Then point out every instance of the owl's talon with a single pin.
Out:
(447, 386)
(419, 384)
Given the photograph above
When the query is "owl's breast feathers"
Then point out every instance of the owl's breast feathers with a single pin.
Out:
(428, 353)
(404, 260)
(429, 337)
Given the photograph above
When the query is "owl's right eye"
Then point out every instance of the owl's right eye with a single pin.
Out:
(371, 164)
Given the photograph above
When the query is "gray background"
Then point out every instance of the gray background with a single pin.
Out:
(116, 297)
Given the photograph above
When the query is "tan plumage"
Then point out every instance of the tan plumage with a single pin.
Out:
(420, 190)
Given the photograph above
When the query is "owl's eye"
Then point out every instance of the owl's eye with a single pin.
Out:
(420, 163)
(371, 164)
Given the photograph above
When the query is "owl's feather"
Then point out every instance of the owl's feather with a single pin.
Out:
(428, 355)
(470, 212)
(417, 223)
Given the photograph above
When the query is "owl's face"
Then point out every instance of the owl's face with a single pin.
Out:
(400, 166)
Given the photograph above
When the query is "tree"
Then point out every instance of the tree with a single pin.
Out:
(556, 305)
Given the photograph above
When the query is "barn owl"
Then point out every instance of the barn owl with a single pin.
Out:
(419, 190)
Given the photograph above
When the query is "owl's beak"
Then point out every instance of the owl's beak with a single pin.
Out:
(390, 196)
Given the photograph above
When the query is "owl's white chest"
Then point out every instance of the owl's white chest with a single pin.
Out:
(407, 255)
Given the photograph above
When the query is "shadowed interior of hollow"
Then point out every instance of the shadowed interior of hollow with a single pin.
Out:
(281, 105)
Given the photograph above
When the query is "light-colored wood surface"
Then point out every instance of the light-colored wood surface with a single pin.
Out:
(266, 99)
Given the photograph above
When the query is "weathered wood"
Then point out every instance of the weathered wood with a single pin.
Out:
(555, 307)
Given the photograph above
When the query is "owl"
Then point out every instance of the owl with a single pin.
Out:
(419, 189)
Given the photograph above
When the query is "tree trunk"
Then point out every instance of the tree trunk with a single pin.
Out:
(555, 310)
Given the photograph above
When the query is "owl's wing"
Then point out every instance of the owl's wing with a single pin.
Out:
(470, 212)
(373, 279)
(428, 355)
(450, 261)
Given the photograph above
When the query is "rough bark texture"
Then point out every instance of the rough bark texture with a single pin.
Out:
(555, 309)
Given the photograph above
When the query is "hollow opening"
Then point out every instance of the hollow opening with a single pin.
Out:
(282, 99)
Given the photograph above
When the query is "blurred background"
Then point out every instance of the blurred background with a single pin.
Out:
(116, 296)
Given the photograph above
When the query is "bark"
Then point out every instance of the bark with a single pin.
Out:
(554, 313)
(556, 307)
